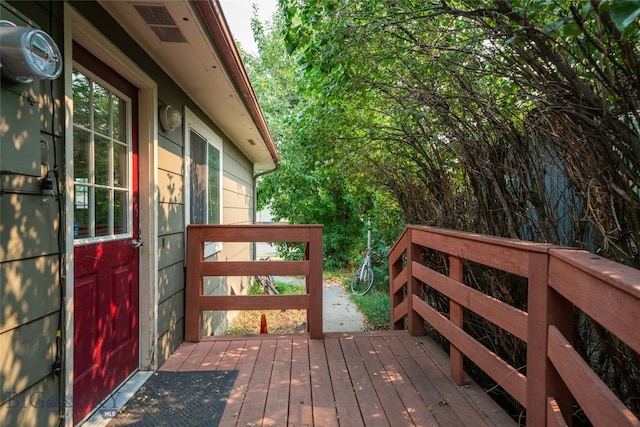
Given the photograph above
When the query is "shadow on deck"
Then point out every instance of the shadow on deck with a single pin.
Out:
(382, 378)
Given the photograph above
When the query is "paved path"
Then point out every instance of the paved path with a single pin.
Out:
(339, 313)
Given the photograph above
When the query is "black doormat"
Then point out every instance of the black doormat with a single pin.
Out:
(178, 399)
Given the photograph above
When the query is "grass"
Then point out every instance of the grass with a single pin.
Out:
(374, 305)
(289, 288)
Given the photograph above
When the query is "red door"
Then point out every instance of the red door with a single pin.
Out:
(105, 225)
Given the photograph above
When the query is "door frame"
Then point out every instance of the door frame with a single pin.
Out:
(79, 29)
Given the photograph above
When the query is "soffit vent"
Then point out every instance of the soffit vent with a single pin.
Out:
(158, 18)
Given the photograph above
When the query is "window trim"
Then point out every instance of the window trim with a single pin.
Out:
(193, 123)
(129, 187)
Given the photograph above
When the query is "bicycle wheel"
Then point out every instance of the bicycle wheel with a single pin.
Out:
(362, 280)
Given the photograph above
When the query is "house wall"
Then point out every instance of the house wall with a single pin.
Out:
(237, 197)
(29, 251)
(30, 254)
(237, 201)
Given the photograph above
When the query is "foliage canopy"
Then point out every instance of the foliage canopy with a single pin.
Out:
(514, 118)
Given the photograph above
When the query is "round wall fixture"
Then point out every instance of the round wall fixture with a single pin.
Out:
(170, 118)
(27, 54)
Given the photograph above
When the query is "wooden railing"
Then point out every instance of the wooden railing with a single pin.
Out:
(558, 279)
(198, 268)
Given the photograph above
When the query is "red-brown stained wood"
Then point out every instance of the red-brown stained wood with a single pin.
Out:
(456, 317)
(195, 359)
(324, 405)
(399, 307)
(258, 233)
(504, 254)
(232, 355)
(245, 355)
(314, 283)
(252, 411)
(197, 268)
(501, 314)
(425, 389)
(544, 307)
(368, 401)
(504, 374)
(214, 356)
(301, 406)
(470, 402)
(276, 408)
(193, 286)
(173, 363)
(393, 407)
(298, 381)
(343, 388)
(400, 311)
(554, 414)
(610, 299)
(399, 281)
(414, 323)
(596, 399)
(255, 268)
(399, 248)
(559, 279)
(254, 302)
(400, 380)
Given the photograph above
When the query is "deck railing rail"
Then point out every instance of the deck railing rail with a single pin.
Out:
(198, 268)
(558, 279)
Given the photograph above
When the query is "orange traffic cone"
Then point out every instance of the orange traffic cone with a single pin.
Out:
(263, 324)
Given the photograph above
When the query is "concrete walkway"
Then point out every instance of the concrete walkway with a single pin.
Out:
(339, 313)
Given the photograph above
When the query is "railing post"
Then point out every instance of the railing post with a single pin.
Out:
(194, 285)
(414, 287)
(456, 316)
(395, 298)
(545, 307)
(314, 283)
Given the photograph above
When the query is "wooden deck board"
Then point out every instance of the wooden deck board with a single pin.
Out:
(394, 409)
(245, 362)
(443, 414)
(300, 401)
(400, 380)
(276, 409)
(368, 401)
(345, 399)
(324, 405)
(385, 378)
(252, 410)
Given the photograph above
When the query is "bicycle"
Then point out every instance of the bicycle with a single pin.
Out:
(362, 279)
(266, 282)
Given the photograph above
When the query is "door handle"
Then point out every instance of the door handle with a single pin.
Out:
(135, 243)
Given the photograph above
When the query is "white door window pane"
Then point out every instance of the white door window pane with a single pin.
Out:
(101, 155)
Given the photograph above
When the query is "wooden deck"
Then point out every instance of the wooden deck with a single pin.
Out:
(384, 378)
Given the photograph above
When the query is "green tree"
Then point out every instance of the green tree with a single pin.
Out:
(314, 182)
(515, 118)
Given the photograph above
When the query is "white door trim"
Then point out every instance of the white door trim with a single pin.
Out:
(79, 29)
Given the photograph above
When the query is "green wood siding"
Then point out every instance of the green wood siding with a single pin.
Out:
(29, 285)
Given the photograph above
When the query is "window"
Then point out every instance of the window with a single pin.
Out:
(204, 154)
(101, 159)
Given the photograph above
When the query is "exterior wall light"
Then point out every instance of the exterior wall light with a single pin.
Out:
(170, 118)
